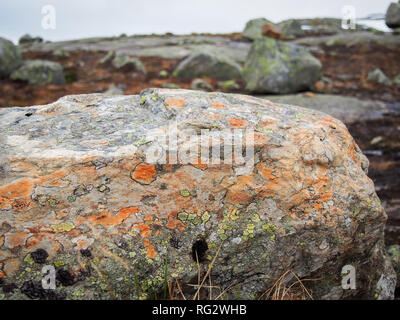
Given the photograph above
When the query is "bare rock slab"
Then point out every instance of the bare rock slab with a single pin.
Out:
(83, 189)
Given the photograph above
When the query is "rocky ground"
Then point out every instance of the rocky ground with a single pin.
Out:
(359, 83)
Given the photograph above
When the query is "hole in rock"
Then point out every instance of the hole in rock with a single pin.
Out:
(200, 247)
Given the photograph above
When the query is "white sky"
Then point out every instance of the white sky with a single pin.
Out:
(88, 18)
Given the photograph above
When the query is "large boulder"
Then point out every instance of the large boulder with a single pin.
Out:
(277, 67)
(10, 59)
(113, 192)
(40, 72)
(254, 28)
(208, 64)
(393, 15)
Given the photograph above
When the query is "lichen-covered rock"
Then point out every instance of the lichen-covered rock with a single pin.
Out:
(208, 64)
(273, 66)
(84, 180)
(40, 72)
(10, 59)
(393, 15)
(254, 28)
(378, 76)
(125, 62)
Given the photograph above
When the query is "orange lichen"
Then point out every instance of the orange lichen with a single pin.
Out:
(144, 173)
(144, 230)
(18, 189)
(173, 103)
(239, 192)
(237, 123)
(151, 252)
(16, 239)
(199, 165)
(107, 219)
(218, 105)
(265, 172)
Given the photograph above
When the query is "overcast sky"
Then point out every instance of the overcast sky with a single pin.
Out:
(88, 18)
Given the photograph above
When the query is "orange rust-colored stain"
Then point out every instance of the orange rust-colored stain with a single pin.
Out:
(107, 219)
(239, 192)
(214, 116)
(144, 173)
(16, 239)
(218, 105)
(353, 155)
(144, 230)
(18, 189)
(318, 206)
(265, 172)
(172, 223)
(151, 252)
(174, 103)
(148, 217)
(146, 243)
(199, 165)
(237, 123)
(5, 203)
(53, 179)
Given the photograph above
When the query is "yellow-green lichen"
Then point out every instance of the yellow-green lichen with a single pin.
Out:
(205, 217)
(269, 227)
(59, 263)
(183, 216)
(28, 259)
(63, 227)
(185, 193)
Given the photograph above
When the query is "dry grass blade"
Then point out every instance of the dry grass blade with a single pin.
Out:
(208, 272)
(180, 289)
(279, 291)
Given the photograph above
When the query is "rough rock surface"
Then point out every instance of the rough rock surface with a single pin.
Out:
(39, 71)
(393, 15)
(273, 66)
(208, 64)
(10, 58)
(77, 181)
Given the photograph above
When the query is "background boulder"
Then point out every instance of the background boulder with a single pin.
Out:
(10, 59)
(208, 64)
(39, 72)
(254, 28)
(276, 67)
(393, 15)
